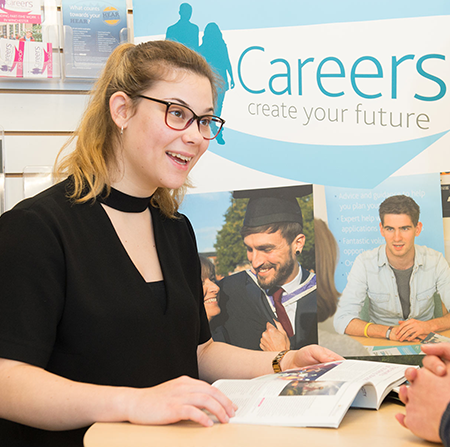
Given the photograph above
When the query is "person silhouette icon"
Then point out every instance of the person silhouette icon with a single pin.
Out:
(215, 51)
(184, 31)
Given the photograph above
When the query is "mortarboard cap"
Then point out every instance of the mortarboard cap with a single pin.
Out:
(274, 205)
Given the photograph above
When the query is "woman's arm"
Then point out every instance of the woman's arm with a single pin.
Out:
(223, 361)
(32, 396)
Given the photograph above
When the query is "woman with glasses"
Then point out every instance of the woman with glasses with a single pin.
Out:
(101, 306)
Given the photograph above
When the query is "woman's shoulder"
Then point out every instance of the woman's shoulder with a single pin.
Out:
(51, 206)
(56, 194)
(34, 222)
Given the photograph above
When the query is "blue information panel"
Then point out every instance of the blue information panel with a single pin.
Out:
(91, 32)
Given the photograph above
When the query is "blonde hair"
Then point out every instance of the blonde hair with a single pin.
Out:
(131, 69)
(326, 260)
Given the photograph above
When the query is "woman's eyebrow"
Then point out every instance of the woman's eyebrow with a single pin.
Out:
(184, 103)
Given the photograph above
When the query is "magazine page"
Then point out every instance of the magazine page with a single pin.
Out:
(380, 377)
(314, 396)
(288, 399)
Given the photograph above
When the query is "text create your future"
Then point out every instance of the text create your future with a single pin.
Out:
(379, 117)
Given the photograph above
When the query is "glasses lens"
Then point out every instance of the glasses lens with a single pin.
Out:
(178, 116)
(210, 126)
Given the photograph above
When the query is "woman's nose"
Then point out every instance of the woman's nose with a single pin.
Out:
(192, 134)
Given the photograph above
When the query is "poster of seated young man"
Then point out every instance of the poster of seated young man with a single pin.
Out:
(405, 285)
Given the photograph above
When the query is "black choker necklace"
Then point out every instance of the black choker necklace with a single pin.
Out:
(123, 202)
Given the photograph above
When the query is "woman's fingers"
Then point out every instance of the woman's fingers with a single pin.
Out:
(180, 399)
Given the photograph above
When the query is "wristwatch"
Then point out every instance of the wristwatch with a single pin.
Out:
(276, 361)
(388, 332)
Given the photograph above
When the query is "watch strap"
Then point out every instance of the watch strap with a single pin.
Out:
(277, 360)
(388, 332)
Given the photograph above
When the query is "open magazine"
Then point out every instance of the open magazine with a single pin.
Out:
(314, 396)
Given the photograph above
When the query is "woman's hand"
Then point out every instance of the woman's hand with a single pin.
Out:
(309, 355)
(32, 396)
(183, 398)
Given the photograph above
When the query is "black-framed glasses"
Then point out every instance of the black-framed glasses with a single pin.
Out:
(180, 117)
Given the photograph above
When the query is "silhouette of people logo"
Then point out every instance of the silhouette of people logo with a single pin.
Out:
(213, 49)
(184, 31)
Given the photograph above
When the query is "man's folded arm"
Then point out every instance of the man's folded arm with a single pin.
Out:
(357, 327)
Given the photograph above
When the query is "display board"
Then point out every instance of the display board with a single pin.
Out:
(349, 97)
(345, 95)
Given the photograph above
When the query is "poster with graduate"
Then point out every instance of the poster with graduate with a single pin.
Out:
(348, 97)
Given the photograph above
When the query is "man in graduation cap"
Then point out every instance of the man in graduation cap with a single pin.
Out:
(273, 305)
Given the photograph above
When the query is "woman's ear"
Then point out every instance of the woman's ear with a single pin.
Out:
(120, 108)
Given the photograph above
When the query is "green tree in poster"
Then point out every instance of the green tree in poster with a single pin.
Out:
(307, 257)
(230, 249)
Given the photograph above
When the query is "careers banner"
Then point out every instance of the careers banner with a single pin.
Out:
(342, 94)
(349, 94)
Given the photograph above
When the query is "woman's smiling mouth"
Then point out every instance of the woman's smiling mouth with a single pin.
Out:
(178, 158)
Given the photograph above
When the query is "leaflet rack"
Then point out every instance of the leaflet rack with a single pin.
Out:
(62, 43)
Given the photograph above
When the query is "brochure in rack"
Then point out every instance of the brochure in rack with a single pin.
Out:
(314, 396)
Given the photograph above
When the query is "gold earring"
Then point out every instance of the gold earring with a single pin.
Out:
(121, 131)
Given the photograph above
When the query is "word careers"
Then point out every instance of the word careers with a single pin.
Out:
(333, 63)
